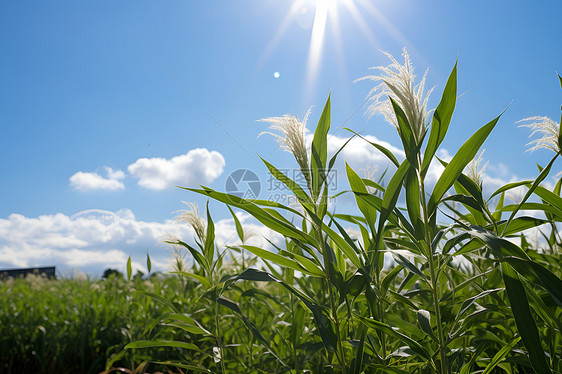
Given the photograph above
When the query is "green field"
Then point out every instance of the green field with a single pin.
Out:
(420, 278)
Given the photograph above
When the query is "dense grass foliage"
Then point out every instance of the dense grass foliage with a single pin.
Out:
(465, 292)
(75, 326)
(419, 278)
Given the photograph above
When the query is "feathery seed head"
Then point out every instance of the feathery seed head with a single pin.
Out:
(292, 136)
(192, 217)
(178, 263)
(397, 81)
(474, 170)
(549, 130)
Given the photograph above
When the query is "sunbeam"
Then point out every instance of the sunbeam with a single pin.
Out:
(326, 15)
(316, 43)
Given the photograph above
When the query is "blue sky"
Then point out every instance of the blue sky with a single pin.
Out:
(106, 105)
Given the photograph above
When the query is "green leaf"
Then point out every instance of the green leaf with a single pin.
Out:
(188, 323)
(549, 197)
(390, 277)
(464, 155)
(467, 201)
(540, 178)
(473, 189)
(148, 263)
(499, 206)
(500, 355)
(500, 246)
(183, 366)
(524, 319)
(210, 238)
(253, 329)
(424, 319)
(521, 223)
(413, 202)
(373, 184)
(274, 204)
(292, 185)
(266, 217)
(311, 267)
(466, 367)
(379, 147)
(346, 236)
(507, 187)
(406, 134)
(342, 245)
(358, 187)
(197, 256)
(516, 257)
(357, 362)
(187, 328)
(277, 259)
(323, 323)
(539, 275)
(129, 268)
(239, 229)
(204, 281)
(382, 327)
(560, 127)
(161, 299)
(391, 196)
(334, 157)
(546, 313)
(407, 264)
(441, 119)
(162, 343)
(466, 304)
(319, 150)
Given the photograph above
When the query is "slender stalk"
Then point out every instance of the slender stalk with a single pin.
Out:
(339, 350)
(218, 331)
(294, 337)
(380, 301)
(434, 286)
(383, 335)
(340, 355)
(434, 277)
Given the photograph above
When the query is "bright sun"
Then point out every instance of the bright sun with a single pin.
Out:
(323, 9)
(326, 16)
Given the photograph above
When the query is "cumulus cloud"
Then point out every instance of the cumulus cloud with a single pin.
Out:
(363, 157)
(198, 166)
(87, 181)
(94, 240)
(359, 153)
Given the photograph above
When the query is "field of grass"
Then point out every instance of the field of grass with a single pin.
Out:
(467, 291)
(73, 326)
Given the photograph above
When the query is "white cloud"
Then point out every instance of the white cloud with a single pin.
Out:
(198, 166)
(363, 156)
(95, 240)
(85, 181)
(358, 153)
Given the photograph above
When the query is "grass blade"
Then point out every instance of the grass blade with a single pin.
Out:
(319, 150)
(524, 320)
(129, 268)
(161, 343)
(441, 119)
(500, 356)
(379, 326)
(464, 155)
